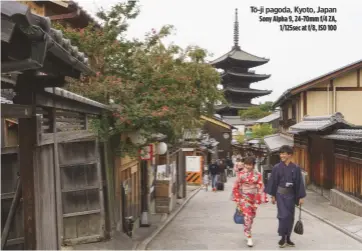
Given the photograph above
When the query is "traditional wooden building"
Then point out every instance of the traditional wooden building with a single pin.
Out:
(272, 120)
(66, 12)
(315, 154)
(320, 109)
(221, 132)
(337, 91)
(57, 166)
(347, 177)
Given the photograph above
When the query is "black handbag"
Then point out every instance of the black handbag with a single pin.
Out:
(298, 228)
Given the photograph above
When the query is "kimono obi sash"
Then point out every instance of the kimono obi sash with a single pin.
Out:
(285, 190)
(249, 188)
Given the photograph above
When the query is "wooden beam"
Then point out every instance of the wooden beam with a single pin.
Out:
(359, 78)
(2, 128)
(216, 122)
(49, 100)
(16, 111)
(101, 194)
(57, 177)
(27, 142)
(66, 16)
(305, 103)
(28, 136)
(10, 218)
(332, 75)
(9, 150)
(337, 89)
(48, 138)
(96, 211)
(64, 4)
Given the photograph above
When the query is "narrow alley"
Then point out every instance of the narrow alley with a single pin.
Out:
(206, 223)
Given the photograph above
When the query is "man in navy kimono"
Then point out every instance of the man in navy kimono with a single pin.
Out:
(286, 186)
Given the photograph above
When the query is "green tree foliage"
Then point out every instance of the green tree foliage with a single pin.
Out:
(267, 106)
(157, 88)
(240, 138)
(257, 112)
(262, 130)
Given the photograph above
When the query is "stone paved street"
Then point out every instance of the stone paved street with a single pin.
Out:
(206, 223)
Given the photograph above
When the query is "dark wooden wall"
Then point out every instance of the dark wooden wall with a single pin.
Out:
(322, 161)
(61, 182)
(216, 132)
(348, 168)
(302, 155)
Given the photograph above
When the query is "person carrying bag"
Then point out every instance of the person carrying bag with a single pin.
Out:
(238, 216)
(298, 228)
(248, 193)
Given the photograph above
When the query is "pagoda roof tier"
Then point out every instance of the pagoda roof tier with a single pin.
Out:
(234, 106)
(238, 58)
(247, 76)
(252, 92)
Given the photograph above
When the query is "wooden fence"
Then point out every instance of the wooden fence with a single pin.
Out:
(348, 169)
(59, 162)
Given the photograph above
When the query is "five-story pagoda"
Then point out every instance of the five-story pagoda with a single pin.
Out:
(236, 77)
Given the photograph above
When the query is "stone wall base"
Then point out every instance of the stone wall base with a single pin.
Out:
(345, 202)
(326, 193)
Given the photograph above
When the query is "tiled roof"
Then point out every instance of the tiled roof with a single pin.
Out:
(246, 90)
(269, 118)
(73, 96)
(245, 74)
(234, 106)
(318, 123)
(38, 28)
(217, 117)
(236, 120)
(239, 55)
(346, 134)
(192, 134)
(275, 141)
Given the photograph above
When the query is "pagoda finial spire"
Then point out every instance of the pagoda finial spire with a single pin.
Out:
(236, 31)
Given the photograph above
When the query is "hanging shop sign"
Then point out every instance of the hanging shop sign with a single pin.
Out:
(146, 153)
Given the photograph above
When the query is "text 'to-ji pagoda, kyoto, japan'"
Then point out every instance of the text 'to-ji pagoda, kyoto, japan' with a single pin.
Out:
(236, 78)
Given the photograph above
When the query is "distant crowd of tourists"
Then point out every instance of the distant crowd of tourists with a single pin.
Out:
(285, 187)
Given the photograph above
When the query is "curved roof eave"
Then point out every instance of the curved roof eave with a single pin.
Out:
(250, 91)
(239, 55)
(248, 75)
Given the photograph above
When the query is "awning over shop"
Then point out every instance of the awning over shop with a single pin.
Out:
(269, 118)
(354, 135)
(319, 123)
(275, 141)
(254, 141)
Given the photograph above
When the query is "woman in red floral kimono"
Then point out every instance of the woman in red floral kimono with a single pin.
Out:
(248, 193)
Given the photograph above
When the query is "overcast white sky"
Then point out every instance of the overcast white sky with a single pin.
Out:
(295, 57)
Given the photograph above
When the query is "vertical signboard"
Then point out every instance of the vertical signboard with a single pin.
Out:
(194, 170)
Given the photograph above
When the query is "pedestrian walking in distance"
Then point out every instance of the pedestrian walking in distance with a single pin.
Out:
(248, 191)
(206, 180)
(214, 171)
(287, 189)
(239, 165)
